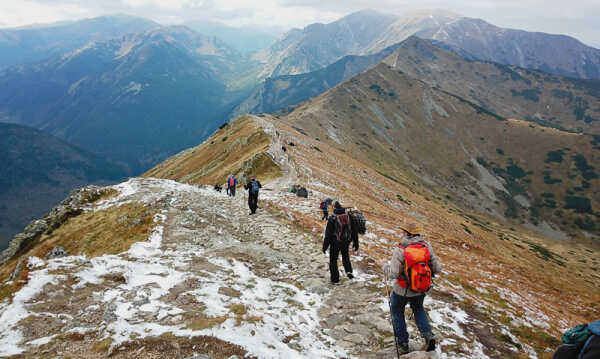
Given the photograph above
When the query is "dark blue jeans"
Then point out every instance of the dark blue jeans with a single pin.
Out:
(398, 303)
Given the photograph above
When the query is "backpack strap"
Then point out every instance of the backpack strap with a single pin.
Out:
(587, 343)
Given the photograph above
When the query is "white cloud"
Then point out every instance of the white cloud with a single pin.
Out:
(576, 18)
(26, 12)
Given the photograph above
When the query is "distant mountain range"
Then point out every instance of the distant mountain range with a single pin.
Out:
(137, 98)
(31, 44)
(38, 171)
(368, 32)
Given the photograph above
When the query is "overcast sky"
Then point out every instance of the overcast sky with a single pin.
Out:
(578, 18)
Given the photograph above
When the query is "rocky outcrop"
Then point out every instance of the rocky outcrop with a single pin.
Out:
(70, 207)
(56, 252)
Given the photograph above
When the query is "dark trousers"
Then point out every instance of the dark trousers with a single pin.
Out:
(253, 201)
(325, 214)
(334, 251)
(398, 303)
(232, 191)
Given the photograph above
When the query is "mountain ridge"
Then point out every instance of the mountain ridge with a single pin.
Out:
(32, 44)
(483, 40)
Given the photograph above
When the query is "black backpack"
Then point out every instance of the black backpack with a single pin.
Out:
(343, 231)
(359, 222)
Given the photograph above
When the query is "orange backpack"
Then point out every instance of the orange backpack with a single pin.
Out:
(417, 274)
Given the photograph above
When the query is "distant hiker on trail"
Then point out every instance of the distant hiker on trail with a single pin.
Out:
(323, 207)
(253, 186)
(412, 268)
(231, 184)
(218, 187)
(338, 235)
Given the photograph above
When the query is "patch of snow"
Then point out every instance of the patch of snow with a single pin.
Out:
(11, 338)
(34, 262)
(41, 341)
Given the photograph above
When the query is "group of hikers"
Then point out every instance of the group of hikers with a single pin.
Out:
(253, 186)
(412, 267)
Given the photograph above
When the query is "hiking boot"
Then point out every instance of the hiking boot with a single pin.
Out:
(429, 344)
(403, 348)
(350, 275)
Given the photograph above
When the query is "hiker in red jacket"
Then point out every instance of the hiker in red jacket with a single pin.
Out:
(412, 266)
(231, 184)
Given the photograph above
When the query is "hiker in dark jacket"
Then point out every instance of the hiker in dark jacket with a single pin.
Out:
(253, 186)
(401, 295)
(337, 245)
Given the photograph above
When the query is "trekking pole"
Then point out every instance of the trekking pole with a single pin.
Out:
(387, 292)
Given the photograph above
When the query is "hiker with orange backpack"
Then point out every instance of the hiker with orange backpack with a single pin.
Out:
(339, 233)
(413, 266)
(231, 184)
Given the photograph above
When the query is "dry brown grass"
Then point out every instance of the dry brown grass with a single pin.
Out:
(202, 322)
(170, 346)
(109, 231)
(238, 148)
(102, 346)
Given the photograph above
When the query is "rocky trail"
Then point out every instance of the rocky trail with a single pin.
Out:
(211, 279)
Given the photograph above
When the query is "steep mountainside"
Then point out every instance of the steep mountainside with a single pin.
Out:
(318, 45)
(413, 132)
(31, 44)
(38, 171)
(556, 54)
(211, 280)
(276, 93)
(149, 95)
(512, 92)
(368, 32)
